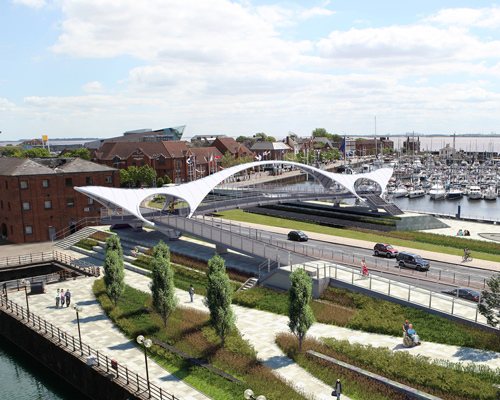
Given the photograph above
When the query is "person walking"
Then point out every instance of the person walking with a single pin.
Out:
(337, 389)
(63, 298)
(58, 298)
(191, 292)
(68, 297)
(363, 271)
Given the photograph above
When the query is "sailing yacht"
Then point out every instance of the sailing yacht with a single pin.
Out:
(437, 191)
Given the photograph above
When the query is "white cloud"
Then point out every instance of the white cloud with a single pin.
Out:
(469, 17)
(315, 12)
(93, 87)
(30, 3)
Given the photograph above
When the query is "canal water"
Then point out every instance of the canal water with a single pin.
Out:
(24, 378)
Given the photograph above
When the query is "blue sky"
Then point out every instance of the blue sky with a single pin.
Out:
(97, 68)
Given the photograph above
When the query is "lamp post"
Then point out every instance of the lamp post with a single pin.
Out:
(78, 310)
(26, 283)
(147, 343)
(249, 395)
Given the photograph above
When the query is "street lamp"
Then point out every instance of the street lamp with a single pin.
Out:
(249, 395)
(147, 343)
(78, 310)
(26, 283)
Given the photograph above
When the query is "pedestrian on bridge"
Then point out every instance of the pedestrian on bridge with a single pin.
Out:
(58, 298)
(191, 292)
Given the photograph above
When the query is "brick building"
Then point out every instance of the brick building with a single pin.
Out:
(37, 198)
(170, 158)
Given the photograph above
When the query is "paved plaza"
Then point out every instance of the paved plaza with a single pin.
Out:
(258, 327)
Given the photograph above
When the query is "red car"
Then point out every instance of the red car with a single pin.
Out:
(384, 249)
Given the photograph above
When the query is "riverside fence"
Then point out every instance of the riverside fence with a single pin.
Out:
(126, 378)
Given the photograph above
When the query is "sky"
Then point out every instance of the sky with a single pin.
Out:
(98, 68)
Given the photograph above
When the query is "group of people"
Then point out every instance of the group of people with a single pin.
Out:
(408, 328)
(465, 232)
(63, 298)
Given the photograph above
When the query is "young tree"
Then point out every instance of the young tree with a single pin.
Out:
(218, 299)
(491, 302)
(147, 174)
(162, 283)
(113, 243)
(114, 275)
(34, 152)
(125, 179)
(319, 132)
(160, 182)
(299, 312)
(82, 153)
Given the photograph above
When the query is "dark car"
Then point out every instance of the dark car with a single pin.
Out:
(384, 249)
(297, 236)
(411, 260)
(464, 293)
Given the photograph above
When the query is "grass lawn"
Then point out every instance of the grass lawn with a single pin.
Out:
(241, 216)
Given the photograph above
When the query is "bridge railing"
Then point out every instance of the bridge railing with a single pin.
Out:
(463, 309)
(80, 350)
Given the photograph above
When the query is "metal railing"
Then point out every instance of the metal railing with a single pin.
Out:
(84, 222)
(124, 377)
(48, 256)
(435, 301)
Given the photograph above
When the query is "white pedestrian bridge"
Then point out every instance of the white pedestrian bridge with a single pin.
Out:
(193, 193)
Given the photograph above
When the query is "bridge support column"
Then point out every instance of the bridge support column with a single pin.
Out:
(221, 249)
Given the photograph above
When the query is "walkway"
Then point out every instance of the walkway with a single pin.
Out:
(259, 327)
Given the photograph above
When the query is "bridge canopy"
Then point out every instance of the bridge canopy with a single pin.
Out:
(194, 192)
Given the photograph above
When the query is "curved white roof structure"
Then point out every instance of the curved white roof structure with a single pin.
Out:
(194, 192)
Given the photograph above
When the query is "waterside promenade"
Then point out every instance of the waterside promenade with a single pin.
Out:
(258, 327)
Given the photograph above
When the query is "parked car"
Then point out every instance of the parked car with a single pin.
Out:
(411, 260)
(464, 293)
(384, 249)
(297, 236)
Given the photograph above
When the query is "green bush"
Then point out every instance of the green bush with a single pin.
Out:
(457, 382)
(87, 244)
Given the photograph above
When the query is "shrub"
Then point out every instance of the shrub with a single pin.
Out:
(86, 243)
(416, 371)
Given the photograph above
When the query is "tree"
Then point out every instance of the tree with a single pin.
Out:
(218, 299)
(319, 132)
(160, 182)
(167, 179)
(147, 174)
(228, 160)
(491, 303)
(125, 177)
(270, 139)
(34, 152)
(241, 139)
(114, 275)
(162, 283)
(262, 135)
(82, 153)
(133, 173)
(113, 243)
(299, 312)
(11, 151)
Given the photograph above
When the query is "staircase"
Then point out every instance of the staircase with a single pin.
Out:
(75, 237)
(250, 283)
(378, 202)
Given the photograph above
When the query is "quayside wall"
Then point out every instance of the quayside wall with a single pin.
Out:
(92, 381)
(88, 370)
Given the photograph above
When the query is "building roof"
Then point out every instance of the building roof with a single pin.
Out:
(203, 154)
(225, 144)
(15, 166)
(123, 150)
(77, 164)
(270, 146)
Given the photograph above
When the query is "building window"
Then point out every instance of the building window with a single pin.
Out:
(90, 201)
(1, 204)
(29, 230)
(48, 204)
(26, 206)
(45, 183)
(134, 163)
(69, 182)
(24, 184)
(11, 230)
(88, 180)
(108, 179)
(142, 164)
(71, 202)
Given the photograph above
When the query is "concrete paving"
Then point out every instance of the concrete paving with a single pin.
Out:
(258, 327)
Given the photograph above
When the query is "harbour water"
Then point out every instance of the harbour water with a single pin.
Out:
(24, 378)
